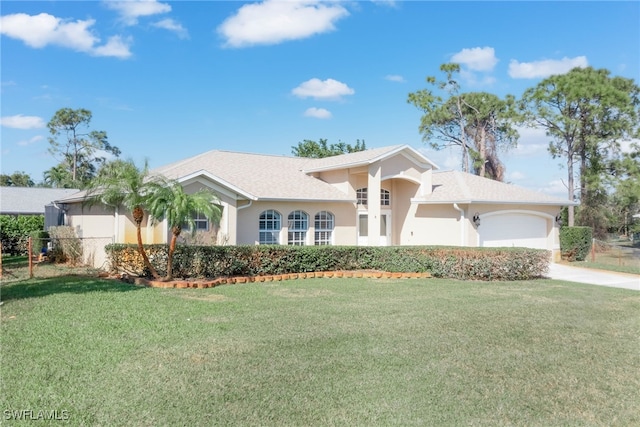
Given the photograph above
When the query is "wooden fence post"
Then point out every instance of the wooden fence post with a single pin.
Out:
(30, 259)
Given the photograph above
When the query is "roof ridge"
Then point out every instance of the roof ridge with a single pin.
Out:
(182, 161)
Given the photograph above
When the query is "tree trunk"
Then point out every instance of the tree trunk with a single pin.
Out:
(570, 185)
(143, 253)
(463, 136)
(483, 152)
(172, 249)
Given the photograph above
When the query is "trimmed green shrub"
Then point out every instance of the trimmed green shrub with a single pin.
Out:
(246, 260)
(15, 231)
(575, 243)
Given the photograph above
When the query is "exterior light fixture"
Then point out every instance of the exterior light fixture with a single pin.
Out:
(476, 219)
(559, 219)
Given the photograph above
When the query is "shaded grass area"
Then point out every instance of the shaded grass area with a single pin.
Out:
(16, 268)
(323, 352)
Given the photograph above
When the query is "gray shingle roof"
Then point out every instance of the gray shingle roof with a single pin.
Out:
(461, 187)
(256, 176)
(30, 200)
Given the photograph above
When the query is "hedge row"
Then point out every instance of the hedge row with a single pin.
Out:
(15, 231)
(575, 243)
(445, 262)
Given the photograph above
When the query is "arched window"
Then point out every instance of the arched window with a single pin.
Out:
(324, 222)
(298, 226)
(270, 224)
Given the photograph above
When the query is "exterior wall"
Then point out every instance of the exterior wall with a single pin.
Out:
(96, 228)
(400, 166)
(344, 232)
(432, 225)
(403, 211)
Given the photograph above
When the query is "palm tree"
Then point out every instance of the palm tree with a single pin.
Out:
(122, 183)
(58, 177)
(172, 203)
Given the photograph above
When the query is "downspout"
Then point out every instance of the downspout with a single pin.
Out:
(456, 207)
(239, 208)
(64, 210)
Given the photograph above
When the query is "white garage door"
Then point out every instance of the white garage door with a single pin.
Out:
(513, 230)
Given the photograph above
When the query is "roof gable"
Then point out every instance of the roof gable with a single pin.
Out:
(367, 157)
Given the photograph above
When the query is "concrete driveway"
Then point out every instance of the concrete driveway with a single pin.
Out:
(594, 277)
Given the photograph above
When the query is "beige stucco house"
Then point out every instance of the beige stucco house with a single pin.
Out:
(384, 196)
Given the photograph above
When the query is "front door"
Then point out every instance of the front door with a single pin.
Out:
(363, 229)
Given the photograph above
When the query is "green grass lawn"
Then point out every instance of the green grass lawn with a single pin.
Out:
(321, 352)
(621, 256)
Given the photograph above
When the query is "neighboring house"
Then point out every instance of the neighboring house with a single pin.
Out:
(34, 201)
(383, 196)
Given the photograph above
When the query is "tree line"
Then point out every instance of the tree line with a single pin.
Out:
(586, 114)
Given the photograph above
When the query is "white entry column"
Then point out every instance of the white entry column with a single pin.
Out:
(373, 203)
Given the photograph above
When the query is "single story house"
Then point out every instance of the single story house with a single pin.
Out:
(383, 196)
(34, 201)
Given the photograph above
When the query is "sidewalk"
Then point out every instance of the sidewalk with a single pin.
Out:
(594, 277)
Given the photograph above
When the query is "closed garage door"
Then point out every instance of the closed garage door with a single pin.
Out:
(513, 230)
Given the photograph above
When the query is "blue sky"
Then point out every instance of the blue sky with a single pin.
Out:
(169, 80)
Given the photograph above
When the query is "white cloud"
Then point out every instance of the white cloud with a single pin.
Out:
(318, 113)
(171, 25)
(276, 21)
(533, 141)
(395, 78)
(477, 58)
(545, 68)
(329, 89)
(22, 122)
(116, 46)
(30, 141)
(38, 31)
(472, 79)
(130, 11)
(41, 30)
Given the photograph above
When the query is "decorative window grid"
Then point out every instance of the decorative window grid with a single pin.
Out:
(324, 222)
(270, 225)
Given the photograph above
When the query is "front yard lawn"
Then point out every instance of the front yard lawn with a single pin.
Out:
(321, 352)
